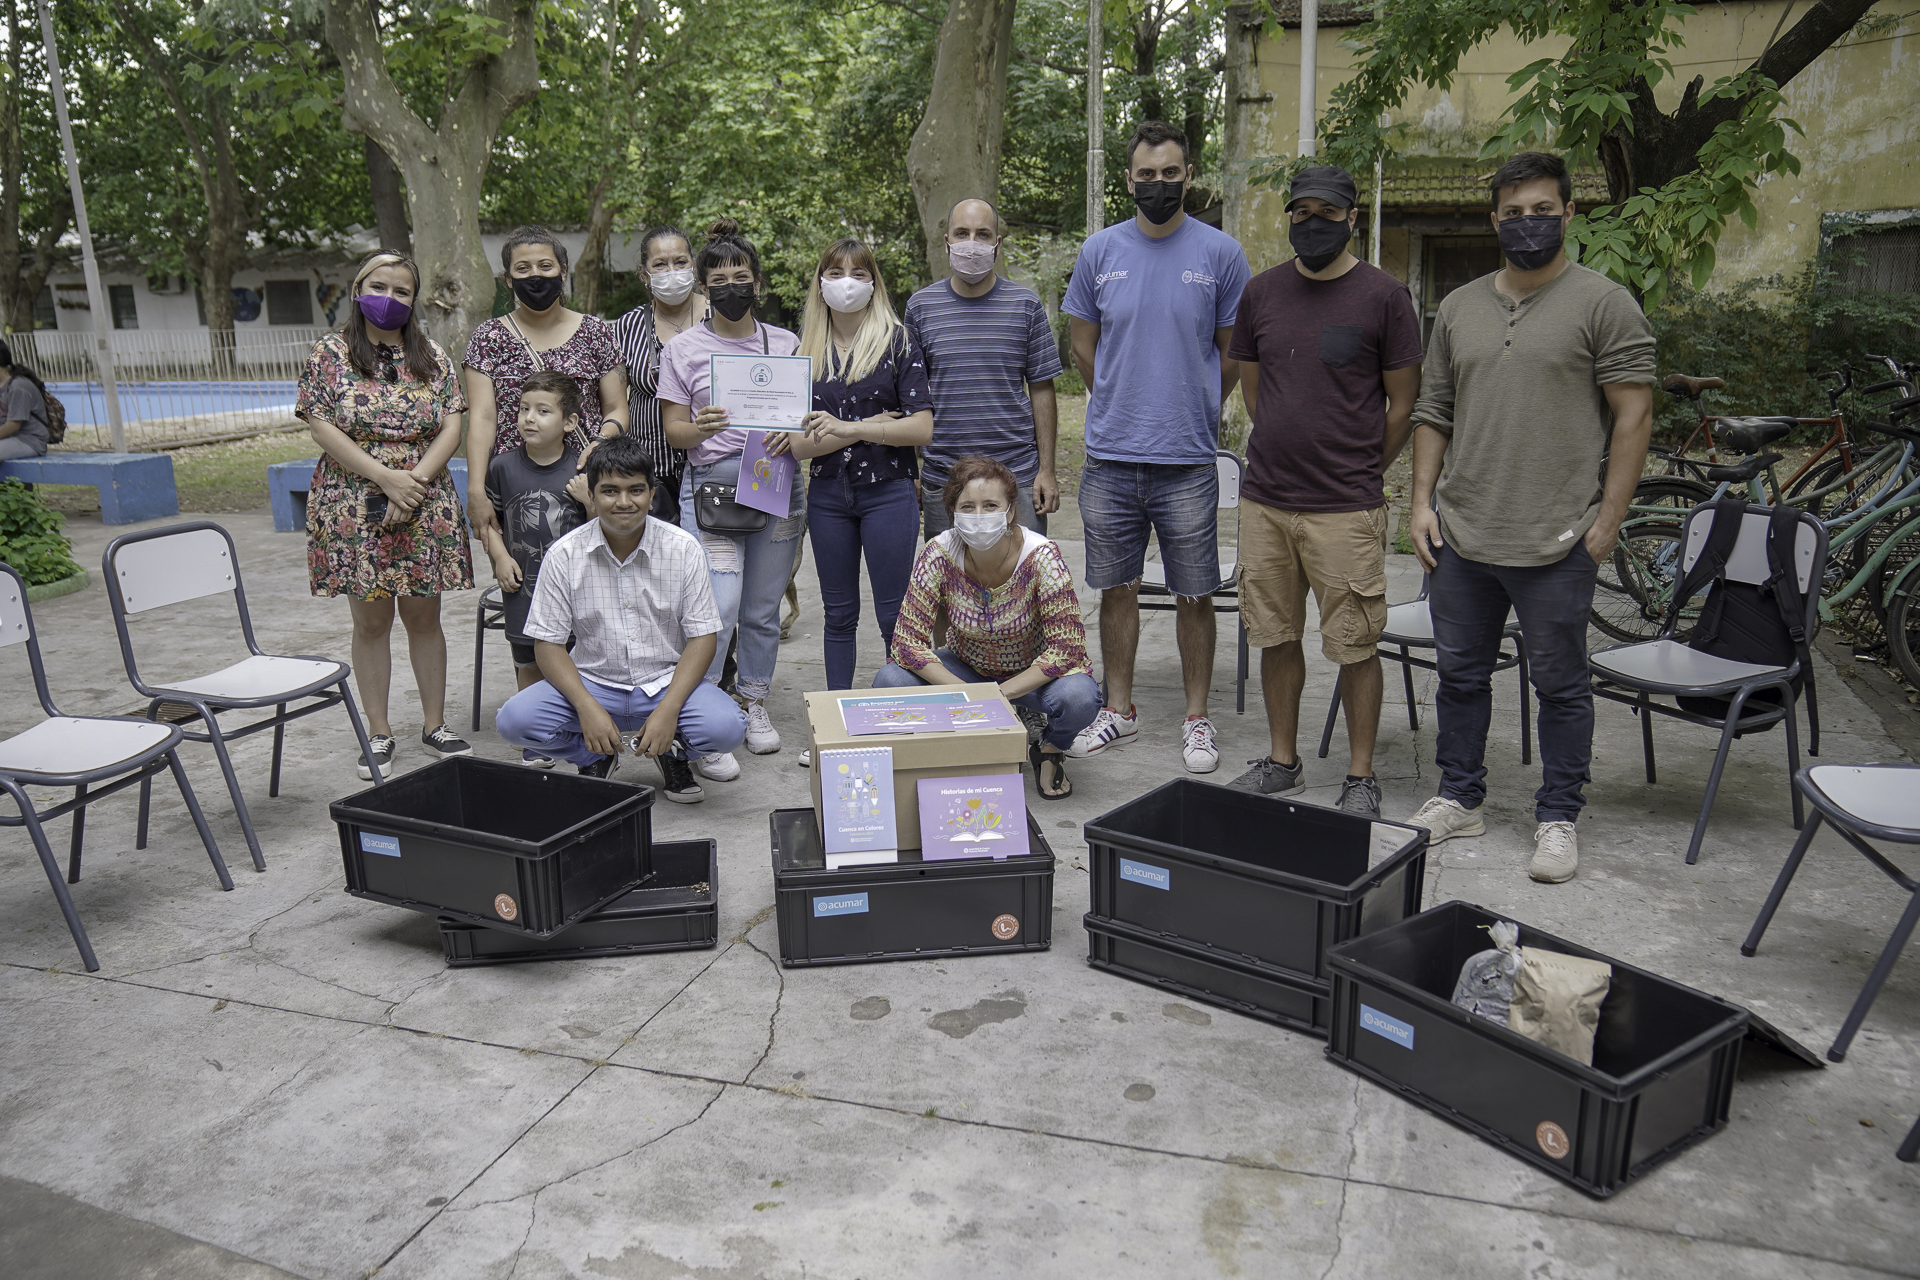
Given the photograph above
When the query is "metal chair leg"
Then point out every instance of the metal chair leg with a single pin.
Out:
(79, 834)
(1333, 714)
(1646, 734)
(359, 729)
(146, 791)
(199, 819)
(1406, 677)
(1526, 699)
(233, 789)
(279, 733)
(479, 660)
(1240, 688)
(1813, 716)
(1793, 760)
(1910, 1149)
(52, 868)
(1713, 777)
(1780, 883)
(1881, 969)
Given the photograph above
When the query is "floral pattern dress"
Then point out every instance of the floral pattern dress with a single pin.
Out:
(394, 417)
(588, 355)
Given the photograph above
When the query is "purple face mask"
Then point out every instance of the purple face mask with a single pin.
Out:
(384, 311)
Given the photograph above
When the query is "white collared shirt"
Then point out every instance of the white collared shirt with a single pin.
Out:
(630, 620)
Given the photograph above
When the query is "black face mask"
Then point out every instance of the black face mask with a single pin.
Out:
(1319, 240)
(1532, 240)
(1159, 201)
(537, 293)
(731, 300)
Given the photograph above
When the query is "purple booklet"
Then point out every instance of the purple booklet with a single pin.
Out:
(982, 715)
(912, 717)
(975, 817)
(766, 482)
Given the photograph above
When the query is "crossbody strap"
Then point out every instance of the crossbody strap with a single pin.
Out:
(538, 363)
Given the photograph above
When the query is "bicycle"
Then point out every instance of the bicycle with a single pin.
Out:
(1813, 473)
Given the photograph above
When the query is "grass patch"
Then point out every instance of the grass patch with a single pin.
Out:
(213, 478)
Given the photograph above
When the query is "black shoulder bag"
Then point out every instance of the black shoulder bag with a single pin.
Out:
(714, 507)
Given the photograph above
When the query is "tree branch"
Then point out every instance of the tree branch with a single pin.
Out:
(372, 104)
(1823, 26)
(1064, 68)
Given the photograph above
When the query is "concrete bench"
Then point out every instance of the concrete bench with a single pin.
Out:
(288, 482)
(133, 486)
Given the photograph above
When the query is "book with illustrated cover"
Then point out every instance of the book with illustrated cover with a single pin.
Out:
(981, 715)
(974, 817)
(911, 717)
(856, 812)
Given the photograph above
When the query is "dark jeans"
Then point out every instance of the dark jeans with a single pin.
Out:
(883, 519)
(1469, 601)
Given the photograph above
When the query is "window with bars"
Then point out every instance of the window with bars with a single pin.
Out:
(125, 314)
(45, 315)
(289, 302)
(1452, 261)
(1878, 261)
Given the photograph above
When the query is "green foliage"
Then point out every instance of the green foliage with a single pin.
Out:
(30, 537)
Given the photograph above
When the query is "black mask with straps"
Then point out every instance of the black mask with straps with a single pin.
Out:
(1319, 240)
(731, 300)
(1159, 201)
(537, 293)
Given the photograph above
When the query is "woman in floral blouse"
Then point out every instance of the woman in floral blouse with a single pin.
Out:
(541, 332)
(383, 521)
(1013, 618)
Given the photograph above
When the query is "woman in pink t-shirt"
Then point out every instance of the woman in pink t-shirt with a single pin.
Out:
(749, 572)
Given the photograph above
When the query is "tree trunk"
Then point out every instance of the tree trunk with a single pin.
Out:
(593, 256)
(444, 165)
(955, 153)
(1146, 61)
(389, 202)
(47, 255)
(10, 176)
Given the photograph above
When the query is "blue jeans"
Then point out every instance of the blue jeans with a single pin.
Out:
(883, 519)
(540, 718)
(19, 446)
(747, 593)
(1121, 502)
(1069, 703)
(1469, 601)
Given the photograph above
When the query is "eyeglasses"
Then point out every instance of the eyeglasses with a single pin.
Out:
(1301, 215)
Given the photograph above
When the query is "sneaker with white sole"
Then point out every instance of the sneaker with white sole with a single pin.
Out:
(1269, 777)
(720, 766)
(381, 747)
(806, 758)
(677, 782)
(762, 738)
(1444, 819)
(1110, 728)
(1360, 797)
(534, 760)
(444, 743)
(1556, 853)
(1197, 748)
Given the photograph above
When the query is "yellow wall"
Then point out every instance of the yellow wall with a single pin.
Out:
(1859, 104)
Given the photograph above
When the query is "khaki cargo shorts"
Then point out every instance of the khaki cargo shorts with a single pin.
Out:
(1341, 555)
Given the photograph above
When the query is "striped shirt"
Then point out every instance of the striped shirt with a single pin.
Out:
(1032, 617)
(639, 342)
(981, 353)
(631, 619)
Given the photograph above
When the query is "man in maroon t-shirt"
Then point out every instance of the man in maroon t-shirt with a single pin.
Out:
(1329, 352)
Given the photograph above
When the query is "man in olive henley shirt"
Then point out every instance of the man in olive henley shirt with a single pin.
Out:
(1533, 376)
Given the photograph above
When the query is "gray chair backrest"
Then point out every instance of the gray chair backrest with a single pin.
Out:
(14, 628)
(1230, 469)
(1748, 563)
(180, 566)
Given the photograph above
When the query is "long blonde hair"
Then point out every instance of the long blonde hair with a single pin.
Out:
(878, 332)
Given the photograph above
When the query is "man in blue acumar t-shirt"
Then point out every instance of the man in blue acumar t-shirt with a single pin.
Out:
(1151, 307)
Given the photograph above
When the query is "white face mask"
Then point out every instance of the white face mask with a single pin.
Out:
(844, 293)
(671, 287)
(980, 529)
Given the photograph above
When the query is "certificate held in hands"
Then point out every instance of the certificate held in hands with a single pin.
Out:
(763, 392)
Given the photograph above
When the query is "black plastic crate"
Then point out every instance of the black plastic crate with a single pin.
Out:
(905, 910)
(1202, 974)
(677, 909)
(1664, 1057)
(1251, 878)
(496, 844)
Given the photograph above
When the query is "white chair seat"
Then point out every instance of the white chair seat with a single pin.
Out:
(1674, 665)
(1154, 573)
(1885, 797)
(1412, 624)
(63, 745)
(260, 676)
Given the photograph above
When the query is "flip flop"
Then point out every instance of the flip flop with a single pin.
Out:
(1059, 761)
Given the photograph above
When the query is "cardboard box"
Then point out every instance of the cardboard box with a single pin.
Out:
(916, 755)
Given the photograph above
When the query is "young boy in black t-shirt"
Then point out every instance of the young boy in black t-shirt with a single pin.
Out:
(538, 495)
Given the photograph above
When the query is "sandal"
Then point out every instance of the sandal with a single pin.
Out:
(1059, 761)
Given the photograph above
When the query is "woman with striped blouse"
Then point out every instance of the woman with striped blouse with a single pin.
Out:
(674, 307)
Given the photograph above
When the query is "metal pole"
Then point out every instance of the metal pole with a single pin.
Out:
(1096, 121)
(96, 296)
(1309, 71)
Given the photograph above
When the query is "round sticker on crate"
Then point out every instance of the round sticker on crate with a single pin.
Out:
(506, 909)
(1005, 927)
(1552, 1139)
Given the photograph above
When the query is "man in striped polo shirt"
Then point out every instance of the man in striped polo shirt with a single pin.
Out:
(991, 362)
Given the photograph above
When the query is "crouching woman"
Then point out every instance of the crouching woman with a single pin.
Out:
(1012, 616)
(633, 593)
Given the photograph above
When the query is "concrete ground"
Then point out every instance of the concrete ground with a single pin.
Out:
(288, 1080)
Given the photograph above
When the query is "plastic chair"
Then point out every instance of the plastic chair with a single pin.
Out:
(1410, 626)
(492, 617)
(1153, 579)
(1860, 802)
(181, 562)
(1631, 673)
(80, 752)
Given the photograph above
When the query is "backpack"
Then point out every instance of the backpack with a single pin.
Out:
(1764, 623)
(56, 418)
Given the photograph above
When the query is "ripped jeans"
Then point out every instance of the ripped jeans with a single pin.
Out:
(749, 575)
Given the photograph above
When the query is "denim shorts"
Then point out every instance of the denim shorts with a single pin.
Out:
(1121, 502)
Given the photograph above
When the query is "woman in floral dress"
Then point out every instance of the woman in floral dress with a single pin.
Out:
(383, 520)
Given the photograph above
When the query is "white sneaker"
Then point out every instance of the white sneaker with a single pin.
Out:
(806, 758)
(1109, 729)
(1444, 819)
(762, 738)
(1556, 854)
(1196, 746)
(720, 766)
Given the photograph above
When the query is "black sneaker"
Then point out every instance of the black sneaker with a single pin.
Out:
(444, 743)
(604, 767)
(380, 747)
(1269, 777)
(677, 782)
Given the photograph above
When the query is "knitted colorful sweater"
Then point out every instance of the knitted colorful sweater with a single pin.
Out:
(1033, 617)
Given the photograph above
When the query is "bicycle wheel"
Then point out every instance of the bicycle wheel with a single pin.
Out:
(1635, 585)
(1863, 619)
(1668, 497)
(1903, 636)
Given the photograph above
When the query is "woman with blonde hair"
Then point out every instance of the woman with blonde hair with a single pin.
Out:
(871, 408)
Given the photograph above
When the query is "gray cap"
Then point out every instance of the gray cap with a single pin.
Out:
(1327, 182)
